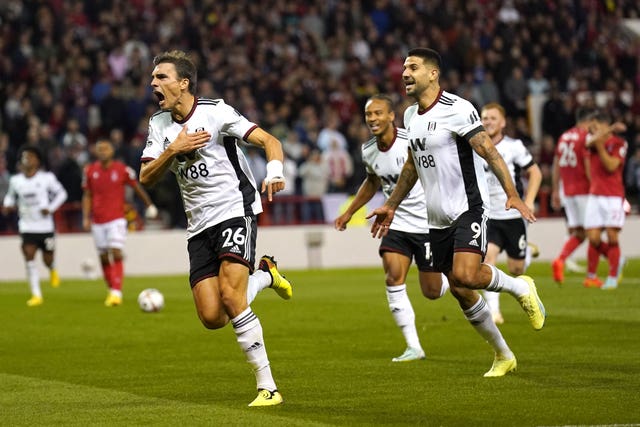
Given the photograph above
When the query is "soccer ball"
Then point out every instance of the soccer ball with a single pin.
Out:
(150, 300)
(89, 269)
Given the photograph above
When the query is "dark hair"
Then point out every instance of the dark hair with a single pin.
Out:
(33, 150)
(382, 97)
(427, 55)
(601, 116)
(185, 68)
(584, 113)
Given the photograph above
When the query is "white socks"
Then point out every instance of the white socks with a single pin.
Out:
(403, 314)
(34, 279)
(445, 285)
(257, 282)
(502, 282)
(480, 318)
(493, 300)
(249, 335)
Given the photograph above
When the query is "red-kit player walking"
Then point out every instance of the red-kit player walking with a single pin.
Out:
(103, 213)
(605, 205)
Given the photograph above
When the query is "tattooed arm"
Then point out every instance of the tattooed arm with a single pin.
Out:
(482, 144)
(406, 181)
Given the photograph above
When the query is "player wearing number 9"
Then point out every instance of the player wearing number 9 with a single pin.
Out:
(196, 139)
(448, 127)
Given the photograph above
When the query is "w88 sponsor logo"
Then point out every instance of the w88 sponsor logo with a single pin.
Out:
(195, 171)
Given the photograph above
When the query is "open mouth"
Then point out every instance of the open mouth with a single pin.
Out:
(159, 95)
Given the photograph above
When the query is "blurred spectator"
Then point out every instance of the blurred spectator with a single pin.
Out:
(545, 159)
(73, 135)
(257, 164)
(340, 166)
(330, 133)
(537, 83)
(315, 183)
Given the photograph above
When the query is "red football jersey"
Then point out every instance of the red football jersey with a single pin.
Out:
(604, 183)
(570, 152)
(107, 189)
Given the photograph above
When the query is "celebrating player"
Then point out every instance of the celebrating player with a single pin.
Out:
(506, 229)
(569, 169)
(447, 143)
(103, 201)
(408, 237)
(605, 204)
(196, 138)
(37, 195)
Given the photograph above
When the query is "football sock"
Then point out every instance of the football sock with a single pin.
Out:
(403, 314)
(480, 318)
(502, 282)
(614, 259)
(569, 246)
(118, 273)
(527, 257)
(34, 279)
(248, 331)
(603, 249)
(445, 285)
(257, 282)
(493, 301)
(593, 257)
(107, 272)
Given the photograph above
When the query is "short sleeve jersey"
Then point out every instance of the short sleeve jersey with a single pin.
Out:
(411, 214)
(570, 153)
(604, 183)
(215, 181)
(451, 172)
(517, 157)
(31, 195)
(107, 186)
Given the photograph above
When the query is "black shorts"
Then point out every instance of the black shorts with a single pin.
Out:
(509, 235)
(44, 241)
(467, 234)
(233, 240)
(412, 245)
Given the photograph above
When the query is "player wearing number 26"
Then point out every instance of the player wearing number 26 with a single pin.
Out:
(197, 139)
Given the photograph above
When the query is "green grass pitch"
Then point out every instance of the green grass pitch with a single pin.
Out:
(73, 361)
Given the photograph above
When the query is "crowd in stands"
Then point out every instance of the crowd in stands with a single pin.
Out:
(74, 70)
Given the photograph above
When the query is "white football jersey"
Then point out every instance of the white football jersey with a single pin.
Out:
(411, 214)
(450, 170)
(215, 181)
(517, 157)
(31, 195)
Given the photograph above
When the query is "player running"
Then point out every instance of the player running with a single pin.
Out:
(408, 237)
(197, 139)
(37, 195)
(447, 143)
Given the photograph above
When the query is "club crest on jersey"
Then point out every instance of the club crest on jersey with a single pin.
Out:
(431, 126)
(165, 143)
(200, 129)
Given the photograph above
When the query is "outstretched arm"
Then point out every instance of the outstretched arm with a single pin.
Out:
(366, 191)
(384, 214)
